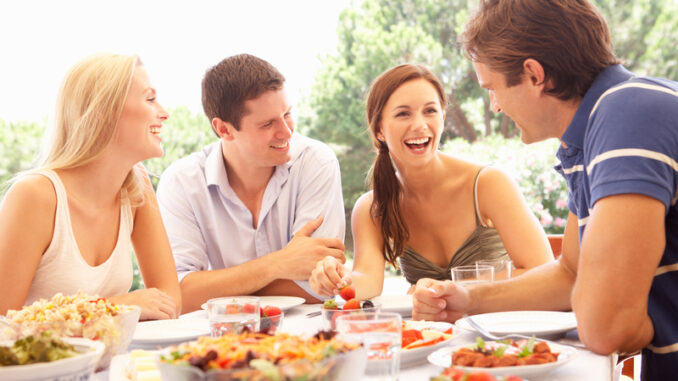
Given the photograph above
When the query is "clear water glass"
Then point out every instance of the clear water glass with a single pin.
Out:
(380, 333)
(503, 268)
(472, 274)
(233, 315)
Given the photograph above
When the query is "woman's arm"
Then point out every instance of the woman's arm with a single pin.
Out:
(368, 260)
(26, 227)
(503, 207)
(155, 260)
(367, 276)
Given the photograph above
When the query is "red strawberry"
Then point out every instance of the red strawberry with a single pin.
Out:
(330, 304)
(347, 292)
(248, 308)
(271, 311)
(352, 304)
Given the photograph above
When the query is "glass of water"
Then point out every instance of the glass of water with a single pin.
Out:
(380, 333)
(472, 274)
(503, 268)
(233, 315)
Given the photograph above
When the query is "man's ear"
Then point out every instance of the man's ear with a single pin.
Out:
(223, 129)
(534, 72)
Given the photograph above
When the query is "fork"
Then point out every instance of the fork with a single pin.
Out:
(487, 335)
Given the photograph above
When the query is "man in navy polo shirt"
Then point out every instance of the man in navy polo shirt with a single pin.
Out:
(549, 65)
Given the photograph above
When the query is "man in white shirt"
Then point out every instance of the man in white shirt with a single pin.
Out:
(253, 212)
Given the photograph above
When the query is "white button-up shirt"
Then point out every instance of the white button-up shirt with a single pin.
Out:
(209, 227)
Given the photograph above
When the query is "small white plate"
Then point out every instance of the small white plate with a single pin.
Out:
(443, 357)
(159, 333)
(401, 304)
(409, 357)
(282, 302)
(543, 324)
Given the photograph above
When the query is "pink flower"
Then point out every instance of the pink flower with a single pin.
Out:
(561, 204)
(546, 219)
(559, 222)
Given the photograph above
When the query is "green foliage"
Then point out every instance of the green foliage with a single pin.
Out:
(19, 144)
(530, 166)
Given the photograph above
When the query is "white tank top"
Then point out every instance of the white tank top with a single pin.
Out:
(62, 267)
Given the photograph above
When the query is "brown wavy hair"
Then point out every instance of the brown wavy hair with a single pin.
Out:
(385, 185)
(569, 38)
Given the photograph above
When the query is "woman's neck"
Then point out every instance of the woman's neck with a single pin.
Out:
(97, 183)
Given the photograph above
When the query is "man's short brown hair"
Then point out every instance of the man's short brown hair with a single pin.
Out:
(236, 79)
(569, 38)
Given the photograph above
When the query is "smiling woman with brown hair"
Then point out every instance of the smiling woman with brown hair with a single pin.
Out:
(427, 210)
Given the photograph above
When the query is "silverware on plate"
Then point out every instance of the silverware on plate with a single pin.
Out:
(489, 336)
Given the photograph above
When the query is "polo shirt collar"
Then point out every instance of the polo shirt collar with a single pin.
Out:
(611, 76)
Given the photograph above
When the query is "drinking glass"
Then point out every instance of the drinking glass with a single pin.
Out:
(380, 335)
(472, 274)
(233, 315)
(503, 268)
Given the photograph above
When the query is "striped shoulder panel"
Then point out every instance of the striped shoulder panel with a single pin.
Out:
(622, 152)
(646, 86)
(665, 349)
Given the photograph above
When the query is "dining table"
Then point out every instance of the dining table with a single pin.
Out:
(584, 366)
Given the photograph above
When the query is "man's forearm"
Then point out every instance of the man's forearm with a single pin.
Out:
(546, 287)
(244, 279)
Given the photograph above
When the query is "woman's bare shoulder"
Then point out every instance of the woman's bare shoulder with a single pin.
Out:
(34, 190)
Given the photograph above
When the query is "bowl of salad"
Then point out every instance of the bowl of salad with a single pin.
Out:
(45, 358)
(80, 315)
(259, 356)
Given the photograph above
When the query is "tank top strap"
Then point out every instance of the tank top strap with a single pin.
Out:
(59, 188)
(479, 220)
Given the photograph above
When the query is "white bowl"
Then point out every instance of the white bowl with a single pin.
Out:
(76, 368)
(125, 323)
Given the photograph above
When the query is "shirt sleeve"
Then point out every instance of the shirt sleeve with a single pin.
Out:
(186, 240)
(632, 145)
(320, 195)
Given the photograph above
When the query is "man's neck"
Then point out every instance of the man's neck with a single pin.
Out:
(249, 184)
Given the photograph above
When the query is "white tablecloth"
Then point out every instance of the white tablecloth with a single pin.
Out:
(586, 366)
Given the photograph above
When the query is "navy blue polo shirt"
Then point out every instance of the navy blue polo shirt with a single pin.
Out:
(623, 139)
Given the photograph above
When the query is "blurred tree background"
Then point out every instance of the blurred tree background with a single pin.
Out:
(377, 34)
(374, 35)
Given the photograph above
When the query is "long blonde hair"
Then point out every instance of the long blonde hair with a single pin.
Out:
(89, 104)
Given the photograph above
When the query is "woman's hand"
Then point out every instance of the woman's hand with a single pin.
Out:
(328, 275)
(155, 304)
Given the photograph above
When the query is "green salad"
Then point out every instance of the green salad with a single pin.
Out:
(35, 349)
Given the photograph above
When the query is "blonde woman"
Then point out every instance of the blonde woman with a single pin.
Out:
(67, 225)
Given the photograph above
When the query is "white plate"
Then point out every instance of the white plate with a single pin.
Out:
(80, 367)
(401, 304)
(543, 324)
(282, 302)
(158, 333)
(443, 357)
(415, 356)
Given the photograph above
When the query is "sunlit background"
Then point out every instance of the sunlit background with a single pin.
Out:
(177, 42)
